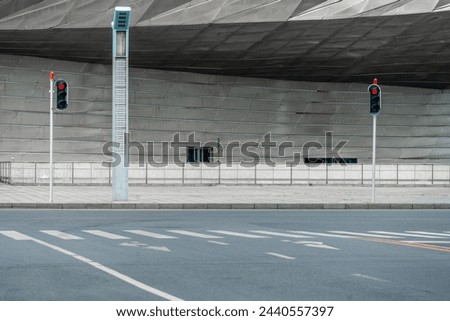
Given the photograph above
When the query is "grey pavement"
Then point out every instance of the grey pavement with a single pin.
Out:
(226, 196)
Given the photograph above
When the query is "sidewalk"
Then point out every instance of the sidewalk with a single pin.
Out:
(226, 197)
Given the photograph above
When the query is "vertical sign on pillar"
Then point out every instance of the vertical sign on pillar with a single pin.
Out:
(120, 27)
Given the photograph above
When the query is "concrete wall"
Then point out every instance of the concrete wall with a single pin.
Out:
(414, 124)
(95, 173)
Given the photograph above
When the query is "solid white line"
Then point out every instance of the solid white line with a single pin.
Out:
(281, 256)
(407, 234)
(16, 235)
(106, 235)
(366, 235)
(151, 234)
(282, 234)
(220, 243)
(111, 272)
(429, 242)
(370, 278)
(250, 236)
(324, 234)
(194, 234)
(61, 235)
(428, 233)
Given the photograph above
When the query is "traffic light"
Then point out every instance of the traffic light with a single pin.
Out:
(62, 94)
(375, 99)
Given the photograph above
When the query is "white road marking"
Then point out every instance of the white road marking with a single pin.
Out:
(407, 235)
(428, 233)
(110, 271)
(324, 234)
(151, 234)
(281, 256)
(370, 278)
(195, 234)
(250, 236)
(159, 248)
(133, 244)
(219, 243)
(62, 235)
(16, 235)
(429, 242)
(318, 245)
(282, 234)
(366, 235)
(106, 235)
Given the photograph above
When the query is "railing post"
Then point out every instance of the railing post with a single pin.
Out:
(291, 173)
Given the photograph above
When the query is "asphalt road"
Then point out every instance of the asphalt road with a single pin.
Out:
(224, 255)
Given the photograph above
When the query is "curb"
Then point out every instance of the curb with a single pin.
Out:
(229, 206)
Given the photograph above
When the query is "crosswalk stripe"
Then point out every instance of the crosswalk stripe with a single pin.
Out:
(195, 234)
(16, 235)
(324, 234)
(429, 233)
(250, 236)
(61, 235)
(406, 234)
(106, 235)
(151, 234)
(366, 235)
(282, 234)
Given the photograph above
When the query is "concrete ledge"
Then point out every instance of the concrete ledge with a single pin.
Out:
(356, 206)
(380, 206)
(243, 206)
(264, 206)
(195, 206)
(99, 206)
(6, 205)
(442, 206)
(219, 206)
(147, 206)
(424, 206)
(49, 205)
(228, 206)
(171, 206)
(333, 206)
(401, 206)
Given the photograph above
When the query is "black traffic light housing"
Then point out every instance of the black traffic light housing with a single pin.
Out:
(375, 99)
(62, 94)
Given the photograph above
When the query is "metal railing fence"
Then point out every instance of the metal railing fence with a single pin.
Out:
(73, 173)
(5, 172)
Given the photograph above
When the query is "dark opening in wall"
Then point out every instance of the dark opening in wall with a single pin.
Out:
(332, 160)
(198, 155)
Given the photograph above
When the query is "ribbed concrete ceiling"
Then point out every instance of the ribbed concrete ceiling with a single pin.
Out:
(402, 42)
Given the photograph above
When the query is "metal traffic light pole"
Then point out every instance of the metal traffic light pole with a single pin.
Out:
(375, 107)
(52, 78)
(374, 150)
